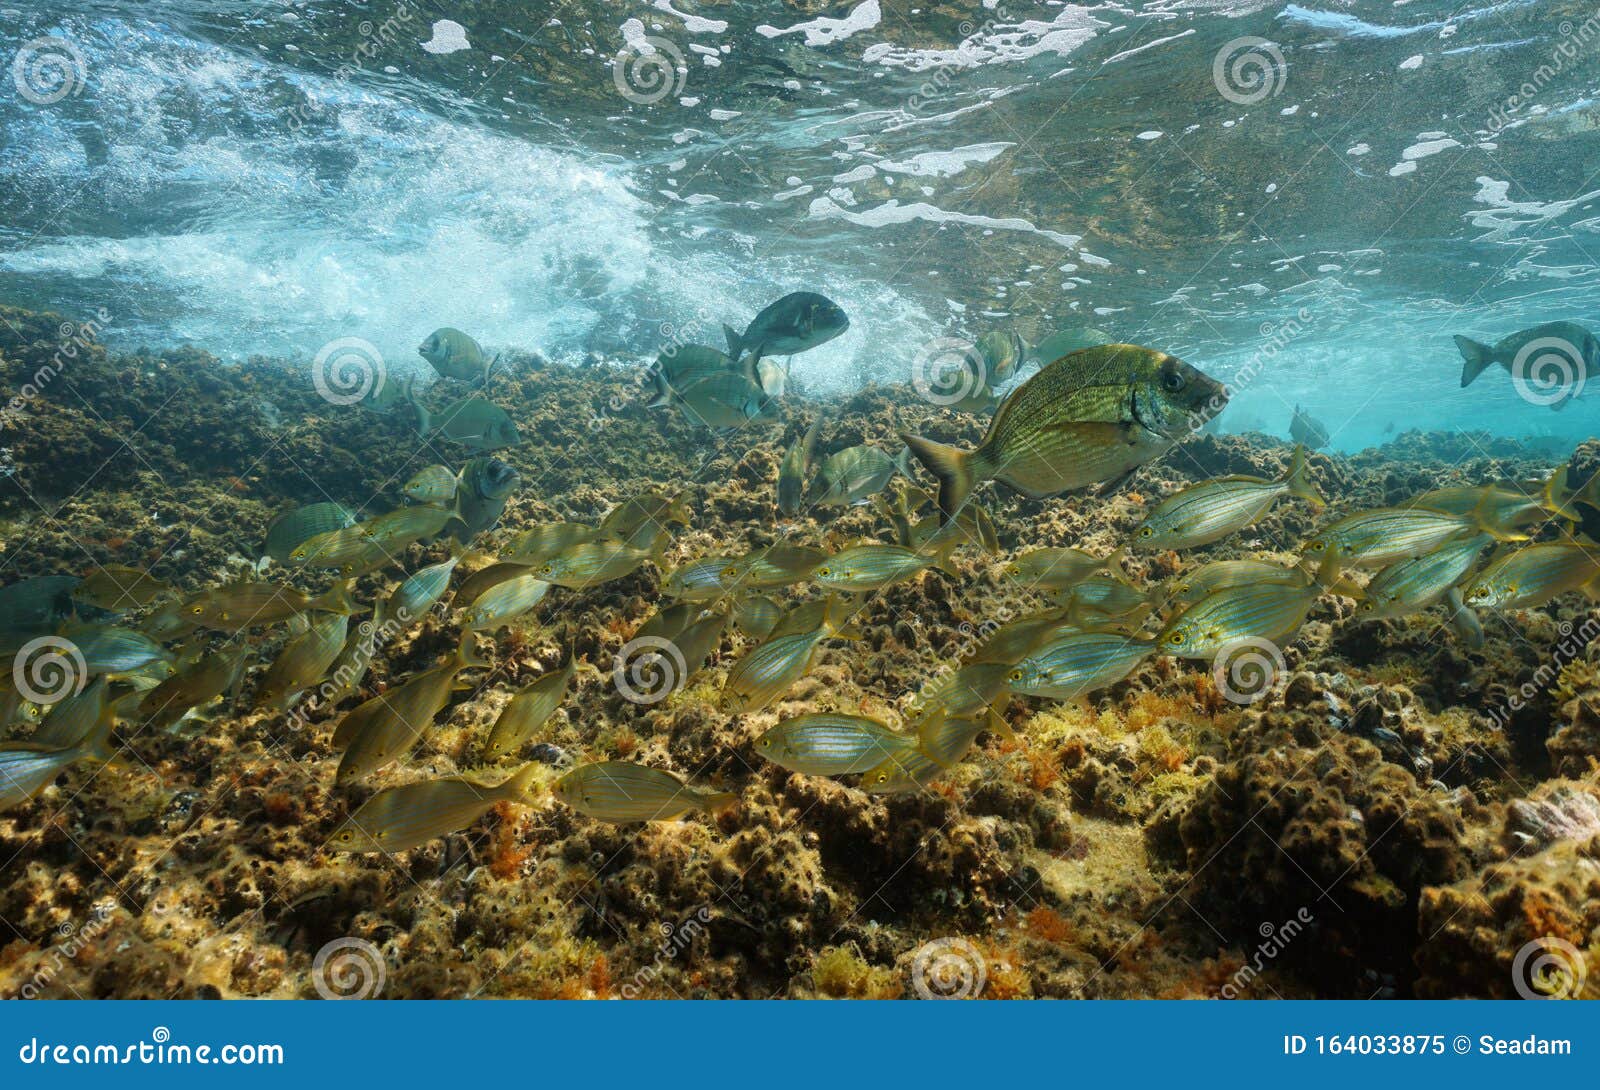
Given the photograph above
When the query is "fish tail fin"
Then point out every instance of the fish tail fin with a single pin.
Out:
(988, 536)
(1295, 479)
(467, 652)
(902, 461)
(950, 465)
(1592, 588)
(997, 723)
(658, 548)
(489, 366)
(943, 557)
(808, 444)
(516, 788)
(663, 395)
(1113, 563)
(735, 342)
(424, 417)
(1476, 357)
(1463, 621)
(336, 599)
(716, 802)
(1486, 522)
(1559, 495)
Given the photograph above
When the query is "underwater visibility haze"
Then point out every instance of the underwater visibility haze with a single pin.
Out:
(876, 499)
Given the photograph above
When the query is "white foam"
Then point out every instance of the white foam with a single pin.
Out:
(893, 212)
(449, 36)
(825, 31)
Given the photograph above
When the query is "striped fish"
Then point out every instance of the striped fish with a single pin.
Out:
(1053, 569)
(505, 601)
(384, 728)
(1090, 416)
(70, 721)
(831, 744)
(621, 791)
(1272, 612)
(1411, 586)
(1386, 534)
(537, 544)
(194, 685)
(527, 711)
(1211, 510)
(114, 650)
(1102, 597)
(287, 532)
(398, 819)
(417, 593)
(599, 561)
(1014, 639)
(1189, 588)
(26, 768)
(234, 607)
(700, 580)
(304, 660)
(434, 485)
(1076, 663)
(795, 467)
(666, 623)
(766, 671)
(1534, 575)
(863, 568)
(781, 565)
(757, 616)
(941, 743)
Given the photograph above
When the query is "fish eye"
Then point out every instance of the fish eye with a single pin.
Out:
(1147, 531)
(547, 569)
(1175, 638)
(1013, 569)
(1173, 381)
(1315, 547)
(1015, 675)
(824, 571)
(197, 610)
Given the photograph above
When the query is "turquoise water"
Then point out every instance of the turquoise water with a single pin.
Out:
(1309, 200)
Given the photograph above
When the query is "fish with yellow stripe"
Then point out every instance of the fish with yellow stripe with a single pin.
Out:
(1211, 510)
(398, 819)
(1271, 612)
(1092, 416)
(622, 792)
(1535, 574)
(1076, 663)
(766, 671)
(831, 744)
